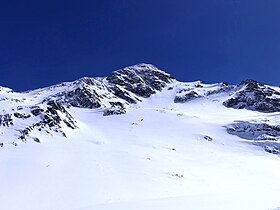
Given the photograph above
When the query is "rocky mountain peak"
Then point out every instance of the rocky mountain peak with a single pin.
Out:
(253, 95)
(141, 79)
(85, 80)
(251, 85)
(250, 82)
(45, 110)
(124, 86)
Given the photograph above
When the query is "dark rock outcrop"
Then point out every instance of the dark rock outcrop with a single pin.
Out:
(126, 85)
(81, 97)
(116, 108)
(36, 110)
(22, 116)
(261, 134)
(208, 138)
(123, 94)
(254, 95)
(141, 79)
(51, 118)
(114, 111)
(182, 98)
(6, 120)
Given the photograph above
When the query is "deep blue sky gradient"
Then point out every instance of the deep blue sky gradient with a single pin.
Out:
(47, 42)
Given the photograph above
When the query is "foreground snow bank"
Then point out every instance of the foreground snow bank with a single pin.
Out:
(198, 202)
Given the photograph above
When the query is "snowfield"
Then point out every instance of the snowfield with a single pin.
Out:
(158, 155)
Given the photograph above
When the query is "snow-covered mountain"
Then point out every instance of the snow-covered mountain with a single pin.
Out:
(140, 139)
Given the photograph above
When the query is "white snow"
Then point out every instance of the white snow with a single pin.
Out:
(153, 157)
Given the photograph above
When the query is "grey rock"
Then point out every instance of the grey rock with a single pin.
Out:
(186, 97)
(208, 138)
(50, 120)
(6, 120)
(254, 95)
(117, 108)
(260, 134)
(141, 79)
(113, 111)
(36, 110)
(21, 116)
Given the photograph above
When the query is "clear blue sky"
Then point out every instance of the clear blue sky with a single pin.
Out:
(47, 42)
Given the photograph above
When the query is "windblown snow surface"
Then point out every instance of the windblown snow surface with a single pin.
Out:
(156, 156)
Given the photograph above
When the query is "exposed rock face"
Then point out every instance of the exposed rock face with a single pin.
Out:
(260, 134)
(142, 79)
(208, 138)
(46, 118)
(52, 115)
(82, 97)
(22, 116)
(123, 94)
(81, 93)
(115, 109)
(51, 119)
(185, 97)
(36, 110)
(6, 120)
(124, 86)
(253, 95)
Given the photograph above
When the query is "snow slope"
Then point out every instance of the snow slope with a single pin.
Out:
(158, 155)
